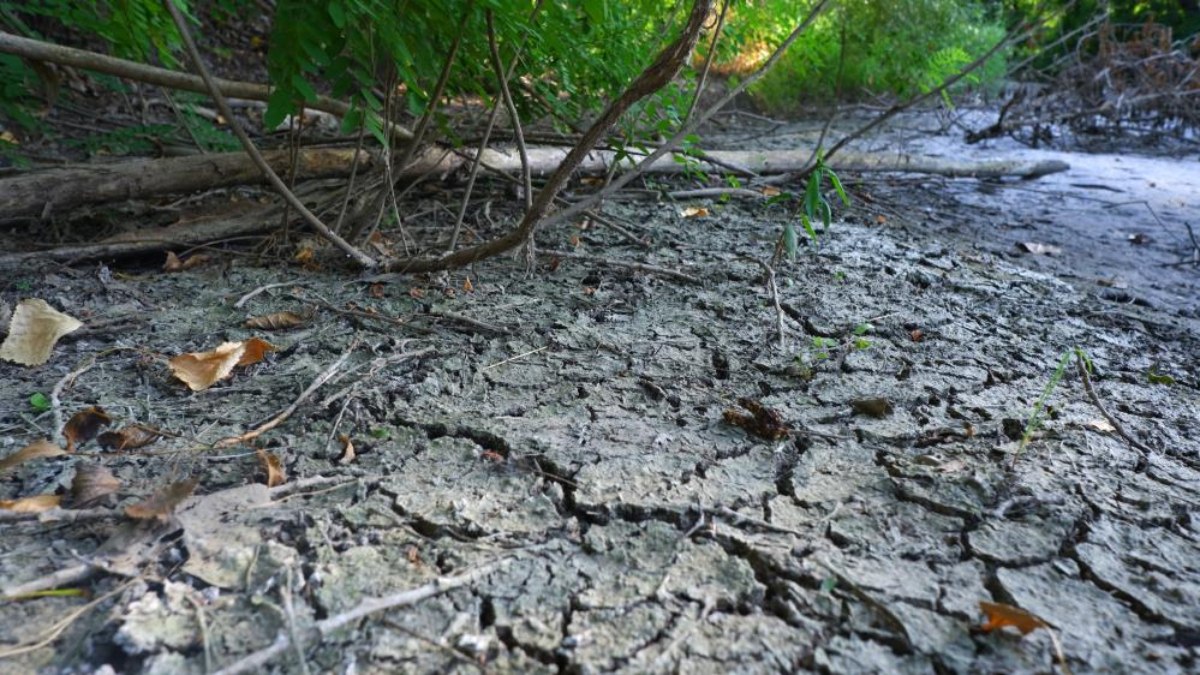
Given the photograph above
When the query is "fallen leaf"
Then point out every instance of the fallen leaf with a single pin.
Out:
(467, 286)
(1000, 615)
(872, 407)
(129, 437)
(770, 191)
(762, 421)
(34, 329)
(916, 335)
(575, 241)
(256, 351)
(492, 456)
(305, 256)
(348, 455)
(34, 504)
(174, 264)
(416, 293)
(35, 450)
(694, 212)
(1100, 425)
(269, 461)
(200, 370)
(275, 321)
(1039, 249)
(84, 425)
(880, 219)
(376, 291)
(92, 482)
(161, 504)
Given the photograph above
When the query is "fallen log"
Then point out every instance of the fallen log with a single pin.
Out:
(40, 193)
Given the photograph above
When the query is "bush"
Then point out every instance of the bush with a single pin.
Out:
(890, 48)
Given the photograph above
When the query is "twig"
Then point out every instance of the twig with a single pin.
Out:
(709, 58)
(63, 577)
(466, 320)
(1081, 366)
(261, 659)
(287, 412)
(273, 178)
(247, 297)
(57, 516)
(531, 352)
(54, 631)
(717, 192)
(514, 118)
(774, 289)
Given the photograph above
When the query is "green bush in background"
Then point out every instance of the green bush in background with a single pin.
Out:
(898, 48)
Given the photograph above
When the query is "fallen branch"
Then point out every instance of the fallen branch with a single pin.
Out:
(80, 58)
(38, 194)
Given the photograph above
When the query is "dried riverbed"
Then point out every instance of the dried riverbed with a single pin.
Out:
(565, 456)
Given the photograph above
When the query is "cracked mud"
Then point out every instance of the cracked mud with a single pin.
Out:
(586, 450)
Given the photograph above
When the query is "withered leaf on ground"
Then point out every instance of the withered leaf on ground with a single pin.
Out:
(34, 504)
(269, 461)
(1039, 249)
(34, 450)
(33, 330)
(129, 437)
(348, 455)
(872, 407)
(1000, 615)
(84, 425)
(92, 482)
(174, 264)
(275, 321)
(200, 370)
(694, 212)
(161, 504)
(762, 421)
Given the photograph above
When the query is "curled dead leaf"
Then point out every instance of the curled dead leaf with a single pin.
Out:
(348, 455)
(33, 330)
(35, 450)
(175, 264)
(694, 212)
(84, 425)
(872, 407)
(34, 504)
(416, 293)
(256, 351)
(999, 615)
(770, 191)
(162, 504)
(92, 482)
(762, 421)
(269, 461)
(129, 437)
(467, 286)
(200, 370)
(275, 321)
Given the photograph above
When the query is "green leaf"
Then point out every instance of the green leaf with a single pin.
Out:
(39, 402)
(789, 239)
(1159, 378)
(808, 227)
(837, 185)
(828, 584)
(863, 328)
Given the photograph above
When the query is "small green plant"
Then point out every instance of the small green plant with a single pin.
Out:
(1034, 421)
(382, 433)
(815, 206)
(39, 402)
(23, 285)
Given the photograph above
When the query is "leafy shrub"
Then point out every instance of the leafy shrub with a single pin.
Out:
(890, 48)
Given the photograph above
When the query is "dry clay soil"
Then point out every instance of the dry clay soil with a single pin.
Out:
(565, 459)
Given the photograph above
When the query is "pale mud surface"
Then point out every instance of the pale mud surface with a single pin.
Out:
(580, 460)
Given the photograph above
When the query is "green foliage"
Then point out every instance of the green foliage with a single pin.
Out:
(815, 206)
(39, 402)
(134, 29)
(863, 47)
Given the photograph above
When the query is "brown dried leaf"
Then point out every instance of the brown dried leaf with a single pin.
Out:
(917, 335)
(872, 407)
(34, 504)
(33, 330)
(377, 291)
(416, 293)
(256, 351)
(1100, 425)
(269, 461)
(174, 264)
(92, 482)
(200, 370)
(770, 191)
(35, 450)
(84, 425)
(467, 286)
(129, 437)
(348, 454)
(276, 321)
(762, 421)
(694, 212)
(1000, 615)
(161, 504)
